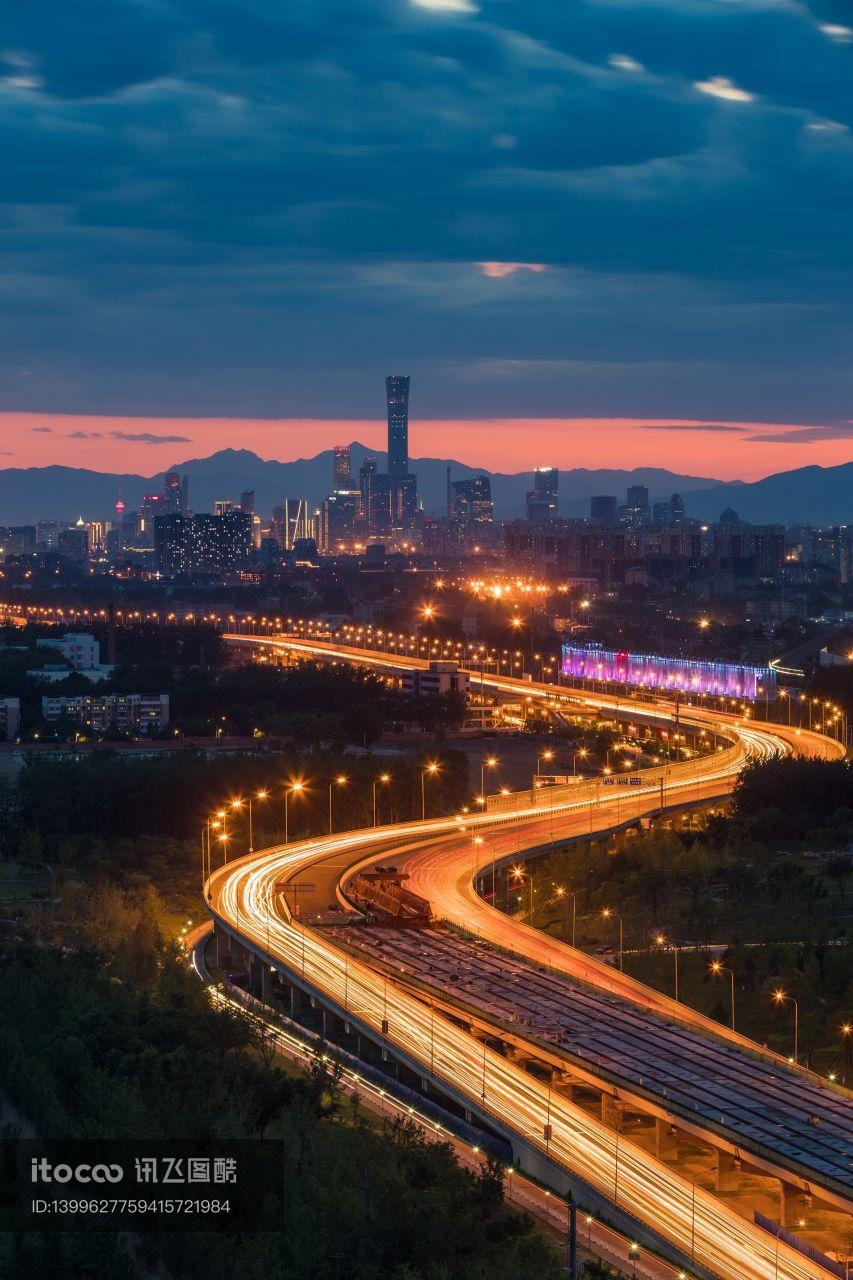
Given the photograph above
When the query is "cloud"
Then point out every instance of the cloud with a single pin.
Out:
(147, 437)
(447, 6)
(84, 435)
(843, 35)
(45, 431)
(690, 426)
(808, 435)
(498, 270)
(623, 62)
(722, 87)
(248, 209)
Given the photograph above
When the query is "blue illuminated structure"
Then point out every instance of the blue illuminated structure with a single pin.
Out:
(672, 675)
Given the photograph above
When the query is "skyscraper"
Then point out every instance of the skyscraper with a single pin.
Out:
(173, 492)
(397, 394)
(638, 498)
(472, 500)
(341, 468)
(542, 499)
(602, 508)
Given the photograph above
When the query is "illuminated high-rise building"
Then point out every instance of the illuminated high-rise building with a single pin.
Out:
(397, 394)
(341, 468)
(542, 499)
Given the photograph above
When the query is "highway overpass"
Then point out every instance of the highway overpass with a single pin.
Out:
(551, 1134)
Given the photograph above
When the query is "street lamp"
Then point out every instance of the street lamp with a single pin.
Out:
(238, 804)
(546, 755)
(608, 913)
(662, 942)
(582, 753)
(782, 997)
(490, 762)
(717, 968)
(385, 778)
(432, 769)
(569, 893)
(340, 781)
(295, 788)
(518, 873)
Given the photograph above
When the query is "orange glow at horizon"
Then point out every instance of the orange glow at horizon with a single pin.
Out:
(719, 450)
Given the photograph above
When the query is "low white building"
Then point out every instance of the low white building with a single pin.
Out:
(438, 677)
(81, 653)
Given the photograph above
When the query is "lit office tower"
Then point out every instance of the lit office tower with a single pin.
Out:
(341, 468)
(173, 492)
(543, 497)
(397, 392)
(638, 498)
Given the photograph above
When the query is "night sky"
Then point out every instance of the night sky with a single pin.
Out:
(545, 211)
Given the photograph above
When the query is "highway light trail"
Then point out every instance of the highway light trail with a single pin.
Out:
(245, 898)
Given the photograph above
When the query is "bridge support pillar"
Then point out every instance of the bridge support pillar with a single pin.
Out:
(610, 1110)
(726, 1170)
(793, 1205)
(666, 1140)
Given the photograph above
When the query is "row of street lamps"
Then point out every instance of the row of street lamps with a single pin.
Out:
(717, 968)
(215, 827)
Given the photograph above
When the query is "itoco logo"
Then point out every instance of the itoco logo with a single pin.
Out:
(43, 1171)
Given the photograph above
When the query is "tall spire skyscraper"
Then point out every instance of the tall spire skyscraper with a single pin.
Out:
(397, 393)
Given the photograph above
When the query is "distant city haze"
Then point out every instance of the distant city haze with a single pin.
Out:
(146, 445)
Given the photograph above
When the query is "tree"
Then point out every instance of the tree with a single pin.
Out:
(838, 868)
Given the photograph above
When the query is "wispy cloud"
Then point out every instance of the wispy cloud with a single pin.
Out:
(624, 62)
(688, 426)
(805, 435)
(723, 87)
(42, 431)
(148, 437)
(498, 270)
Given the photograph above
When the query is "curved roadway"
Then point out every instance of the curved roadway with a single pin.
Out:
(244, 898)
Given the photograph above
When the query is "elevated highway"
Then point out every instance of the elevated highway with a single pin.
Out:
(554, 1137)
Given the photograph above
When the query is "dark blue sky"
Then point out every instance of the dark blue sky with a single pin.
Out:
(260, 207)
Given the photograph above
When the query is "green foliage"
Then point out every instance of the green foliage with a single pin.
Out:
(89, 1051)
(793, 798)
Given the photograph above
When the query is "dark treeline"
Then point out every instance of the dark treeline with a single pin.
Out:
(92, 1050)
(304, 703)
(108, 795)
(794, 799)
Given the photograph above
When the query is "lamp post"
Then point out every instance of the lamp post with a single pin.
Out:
(385, 778)
(662, 942)
(569, 893)
(519, 874)
(432, 769)
(490, 762)
(238, 804)
(583, 753)
(608, 913)
(782, 997)
(295, 788)
(717, 969)
(546, 755)
(340, 781)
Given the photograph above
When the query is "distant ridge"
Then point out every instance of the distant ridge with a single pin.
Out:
(813, 495)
